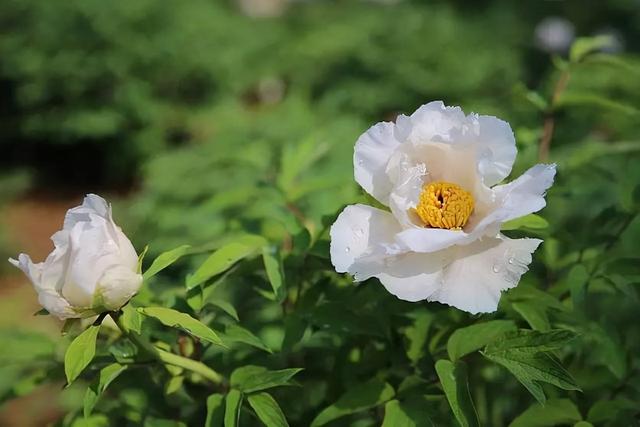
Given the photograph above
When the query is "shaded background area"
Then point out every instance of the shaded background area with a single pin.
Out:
(201, 118)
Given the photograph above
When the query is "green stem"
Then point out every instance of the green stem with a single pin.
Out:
(166, 357)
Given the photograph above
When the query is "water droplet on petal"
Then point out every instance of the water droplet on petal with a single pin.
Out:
(496, 268)
(511, 260)
(347, 249)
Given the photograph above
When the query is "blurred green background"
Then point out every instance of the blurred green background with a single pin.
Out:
(203, 118)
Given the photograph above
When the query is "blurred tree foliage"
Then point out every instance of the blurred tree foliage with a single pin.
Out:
(229, 124)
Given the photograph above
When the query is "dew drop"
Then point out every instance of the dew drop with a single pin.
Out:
(347, 249)
(511, 260)
(496, 268)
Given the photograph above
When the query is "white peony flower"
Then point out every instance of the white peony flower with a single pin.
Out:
(437, 171)
(93, 268)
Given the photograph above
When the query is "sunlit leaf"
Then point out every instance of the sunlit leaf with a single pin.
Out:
(164, 260)
(80, 353)
(176, 319)
(224, 258)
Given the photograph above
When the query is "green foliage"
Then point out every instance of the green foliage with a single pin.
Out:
(241, 133)
(80, 353)
(453, 377)
(175, 319)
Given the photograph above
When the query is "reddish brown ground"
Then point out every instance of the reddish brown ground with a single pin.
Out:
(29, 223)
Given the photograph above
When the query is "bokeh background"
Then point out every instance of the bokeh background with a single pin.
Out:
(200, 118)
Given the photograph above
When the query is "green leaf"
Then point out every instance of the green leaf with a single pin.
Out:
(275, 271)
(455, 384)
(471, 338)
(417, 335)
(131, 318)
(411, 413)
(553, 413)
(236, 333)
(164, 260)
(224, 258)
(531, 221)
(606, 410)
(215, 410)
(359, 398)
(583, 46)
(41, 312)
(80, 353)
(233, 402)
(532, 341)
(101, 382)
(141, 258)
(268, 410)
(252, 378)
(176, 319)
(534, 313)
(224, 306)
(525, 354)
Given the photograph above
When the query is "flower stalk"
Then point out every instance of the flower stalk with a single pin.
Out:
(167, 357)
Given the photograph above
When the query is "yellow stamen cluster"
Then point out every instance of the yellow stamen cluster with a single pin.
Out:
(445, 205)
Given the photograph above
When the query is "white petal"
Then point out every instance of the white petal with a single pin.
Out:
(434, 122)
(413, 276)
(92, 251)
(496, 149)
(57, 306)
(526, 194)
(32, 270)
(481, 270)
(117, 285)
(372, 153)
(91, 205)
(360, 238)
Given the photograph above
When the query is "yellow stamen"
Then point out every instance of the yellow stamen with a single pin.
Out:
(445, 205)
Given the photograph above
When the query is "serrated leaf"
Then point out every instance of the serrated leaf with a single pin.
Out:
(453, 377)
(275, 271)
(268, 410)
(252, 378)
(233, 402)
(533, 368)
(80, 353)
(359, 398)
(411, 413)
(224, 258)
(164, 260)
(528, 341)
(553, 413)
(176, 319)
(531, 221)
(236, 333)
(471, 338)
(99, 385)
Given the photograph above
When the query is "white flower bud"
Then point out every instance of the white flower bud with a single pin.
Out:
(93, 267)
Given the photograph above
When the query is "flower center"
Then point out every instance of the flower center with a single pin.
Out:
(445, 205)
